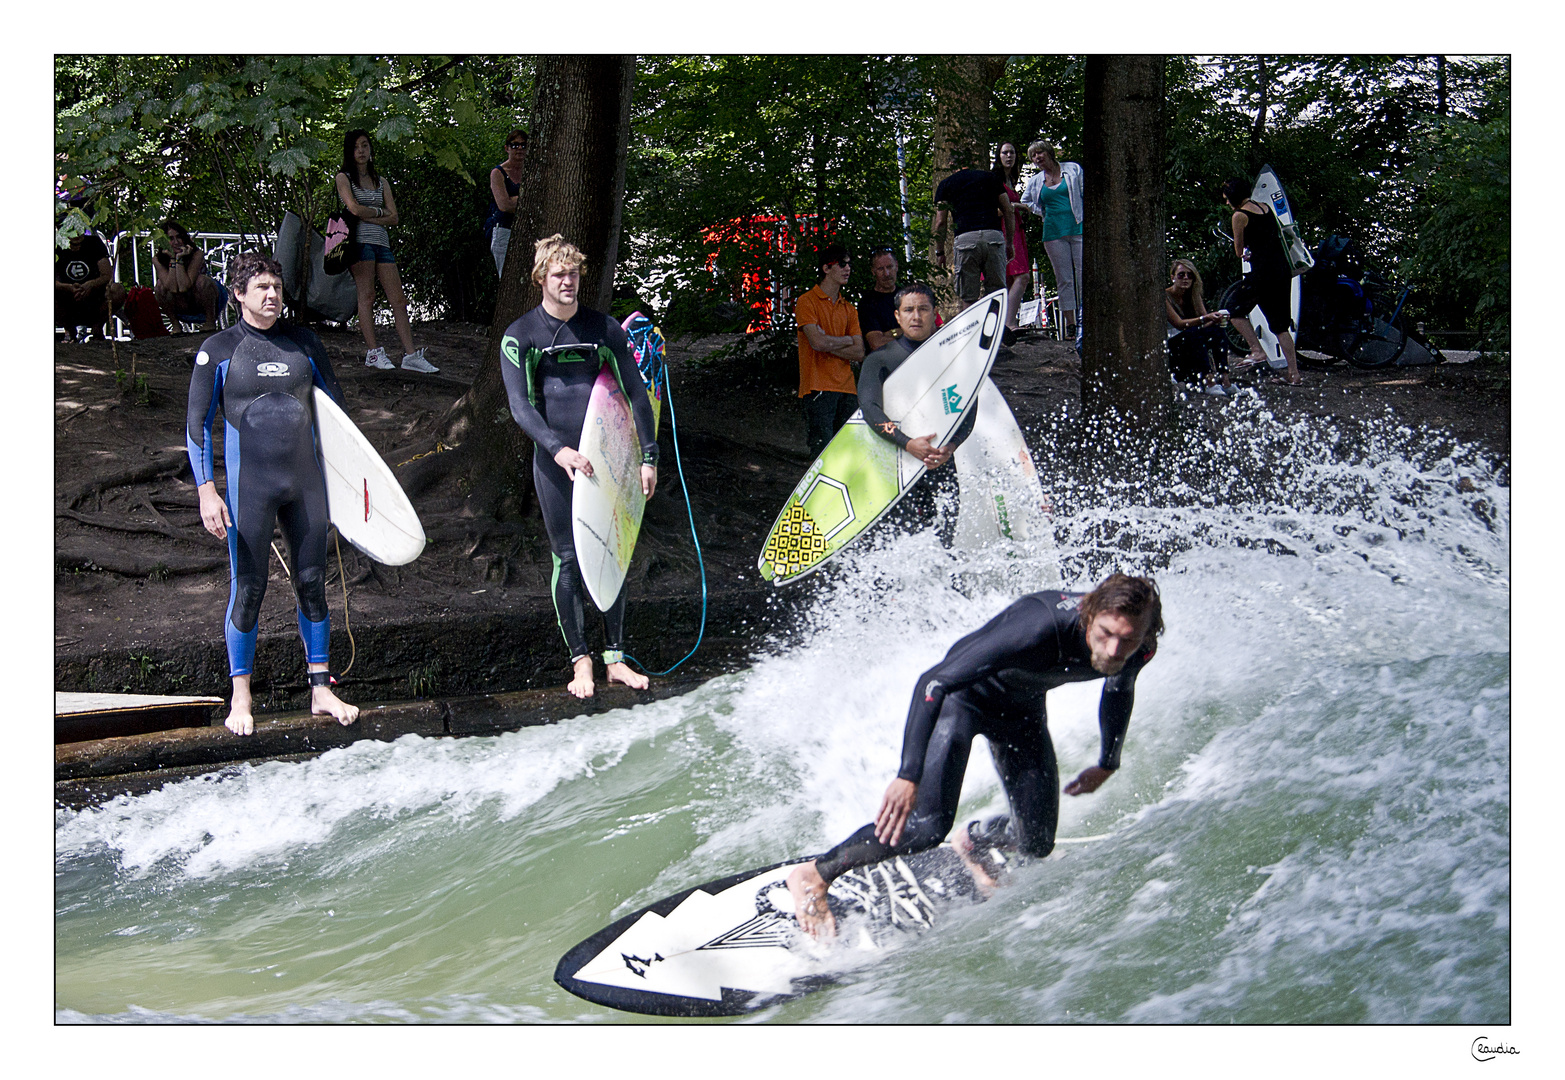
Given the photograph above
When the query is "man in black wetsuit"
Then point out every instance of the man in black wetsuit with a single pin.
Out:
(992, 683)
(551, 358)
(914, 310)
(262, 374)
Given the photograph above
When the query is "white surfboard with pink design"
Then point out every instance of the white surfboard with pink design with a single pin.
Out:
(606, 507)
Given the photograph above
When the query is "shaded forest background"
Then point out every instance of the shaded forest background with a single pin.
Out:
(739, 164)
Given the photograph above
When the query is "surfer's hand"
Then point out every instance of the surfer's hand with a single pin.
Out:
(214, 512)
(1090, 780)
(649, 480)
(922, 447)
(895, 806)
(573, 461)
(939, 456)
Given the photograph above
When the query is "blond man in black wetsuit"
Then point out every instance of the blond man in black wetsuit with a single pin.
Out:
(550, 357)
(992, 683)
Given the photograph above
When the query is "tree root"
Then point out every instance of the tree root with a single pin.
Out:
(115, 524)
(90, 556)
(166, 465)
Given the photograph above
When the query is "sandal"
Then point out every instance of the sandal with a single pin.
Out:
(1278, 380)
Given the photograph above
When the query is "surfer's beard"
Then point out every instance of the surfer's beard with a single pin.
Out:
(1105, 666)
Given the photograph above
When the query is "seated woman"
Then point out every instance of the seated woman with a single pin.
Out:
(1197, 350)
(183, 287)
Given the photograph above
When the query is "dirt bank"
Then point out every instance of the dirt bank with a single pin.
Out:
(140, 587)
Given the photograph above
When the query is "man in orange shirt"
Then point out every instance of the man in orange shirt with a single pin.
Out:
(829, 339)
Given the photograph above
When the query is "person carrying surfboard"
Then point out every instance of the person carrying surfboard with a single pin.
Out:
(262, 373)
(913, 307)
(992, 683)
(552, 356)
(1258, 238)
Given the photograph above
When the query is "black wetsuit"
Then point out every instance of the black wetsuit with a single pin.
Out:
(920, 507)
(263, 380)
(549, 385)
(992, 683)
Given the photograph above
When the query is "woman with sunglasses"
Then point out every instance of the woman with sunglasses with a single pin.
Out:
(505, 185)
(1197, 350)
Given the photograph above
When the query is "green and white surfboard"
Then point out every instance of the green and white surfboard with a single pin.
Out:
(860, 476)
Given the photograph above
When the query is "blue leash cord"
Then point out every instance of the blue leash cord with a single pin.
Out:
(673, 423)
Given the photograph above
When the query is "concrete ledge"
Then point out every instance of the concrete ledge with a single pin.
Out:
(89, 772)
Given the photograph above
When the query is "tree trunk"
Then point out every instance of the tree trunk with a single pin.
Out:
(962, 86)
(573, 183)
(1124, 369)
(1258, 126)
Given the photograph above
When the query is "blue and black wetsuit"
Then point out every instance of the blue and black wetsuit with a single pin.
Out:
(992, 683)
(549, 367)
(920, 507)
(263, 382)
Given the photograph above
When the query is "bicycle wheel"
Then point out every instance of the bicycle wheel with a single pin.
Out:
(1378, 346)
(1237, 346)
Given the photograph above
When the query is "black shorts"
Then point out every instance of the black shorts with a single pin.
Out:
(1272, 295)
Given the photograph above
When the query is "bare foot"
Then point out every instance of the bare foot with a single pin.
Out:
(240, 720)
(325, 703)
(621, 673)
(963, 842)
(809, 901)
(581, 681)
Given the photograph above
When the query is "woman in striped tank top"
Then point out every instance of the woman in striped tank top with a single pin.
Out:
(367, 196)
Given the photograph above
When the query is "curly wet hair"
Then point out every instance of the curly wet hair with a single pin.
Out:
(246, 265)
(1136, 598)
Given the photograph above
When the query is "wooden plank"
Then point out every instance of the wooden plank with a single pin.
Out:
(85, 717)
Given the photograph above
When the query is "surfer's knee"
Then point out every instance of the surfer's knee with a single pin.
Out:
(246, 609)
(310, 588)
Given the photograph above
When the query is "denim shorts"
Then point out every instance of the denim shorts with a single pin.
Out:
(379, 253)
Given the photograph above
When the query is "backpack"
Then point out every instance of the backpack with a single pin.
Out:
(648, 347)
(143, 314)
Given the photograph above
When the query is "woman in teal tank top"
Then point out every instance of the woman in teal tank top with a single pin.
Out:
(1054, 194)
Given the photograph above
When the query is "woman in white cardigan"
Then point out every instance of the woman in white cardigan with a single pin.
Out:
(1054, 194)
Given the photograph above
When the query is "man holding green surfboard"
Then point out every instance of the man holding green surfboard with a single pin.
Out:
(914, 310)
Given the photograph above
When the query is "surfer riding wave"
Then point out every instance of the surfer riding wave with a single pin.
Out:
(992, 683)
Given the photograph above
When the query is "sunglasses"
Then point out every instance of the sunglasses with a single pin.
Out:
(516, 146)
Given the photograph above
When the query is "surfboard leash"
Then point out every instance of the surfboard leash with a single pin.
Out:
(347, 624)
(342, 579)
(673, 425)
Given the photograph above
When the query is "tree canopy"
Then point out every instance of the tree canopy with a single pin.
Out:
(740, 165)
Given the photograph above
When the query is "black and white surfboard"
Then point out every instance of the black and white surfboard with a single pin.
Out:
(732, 945)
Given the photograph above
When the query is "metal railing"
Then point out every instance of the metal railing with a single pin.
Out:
(219, 250)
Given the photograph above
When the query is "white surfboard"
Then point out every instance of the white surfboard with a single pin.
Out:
(1001, 496)
(1269, 192)
(729, 946)
(860, 476)
(363, 499)
(606, 507)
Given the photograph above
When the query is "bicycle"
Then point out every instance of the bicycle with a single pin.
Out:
(1379, 341)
